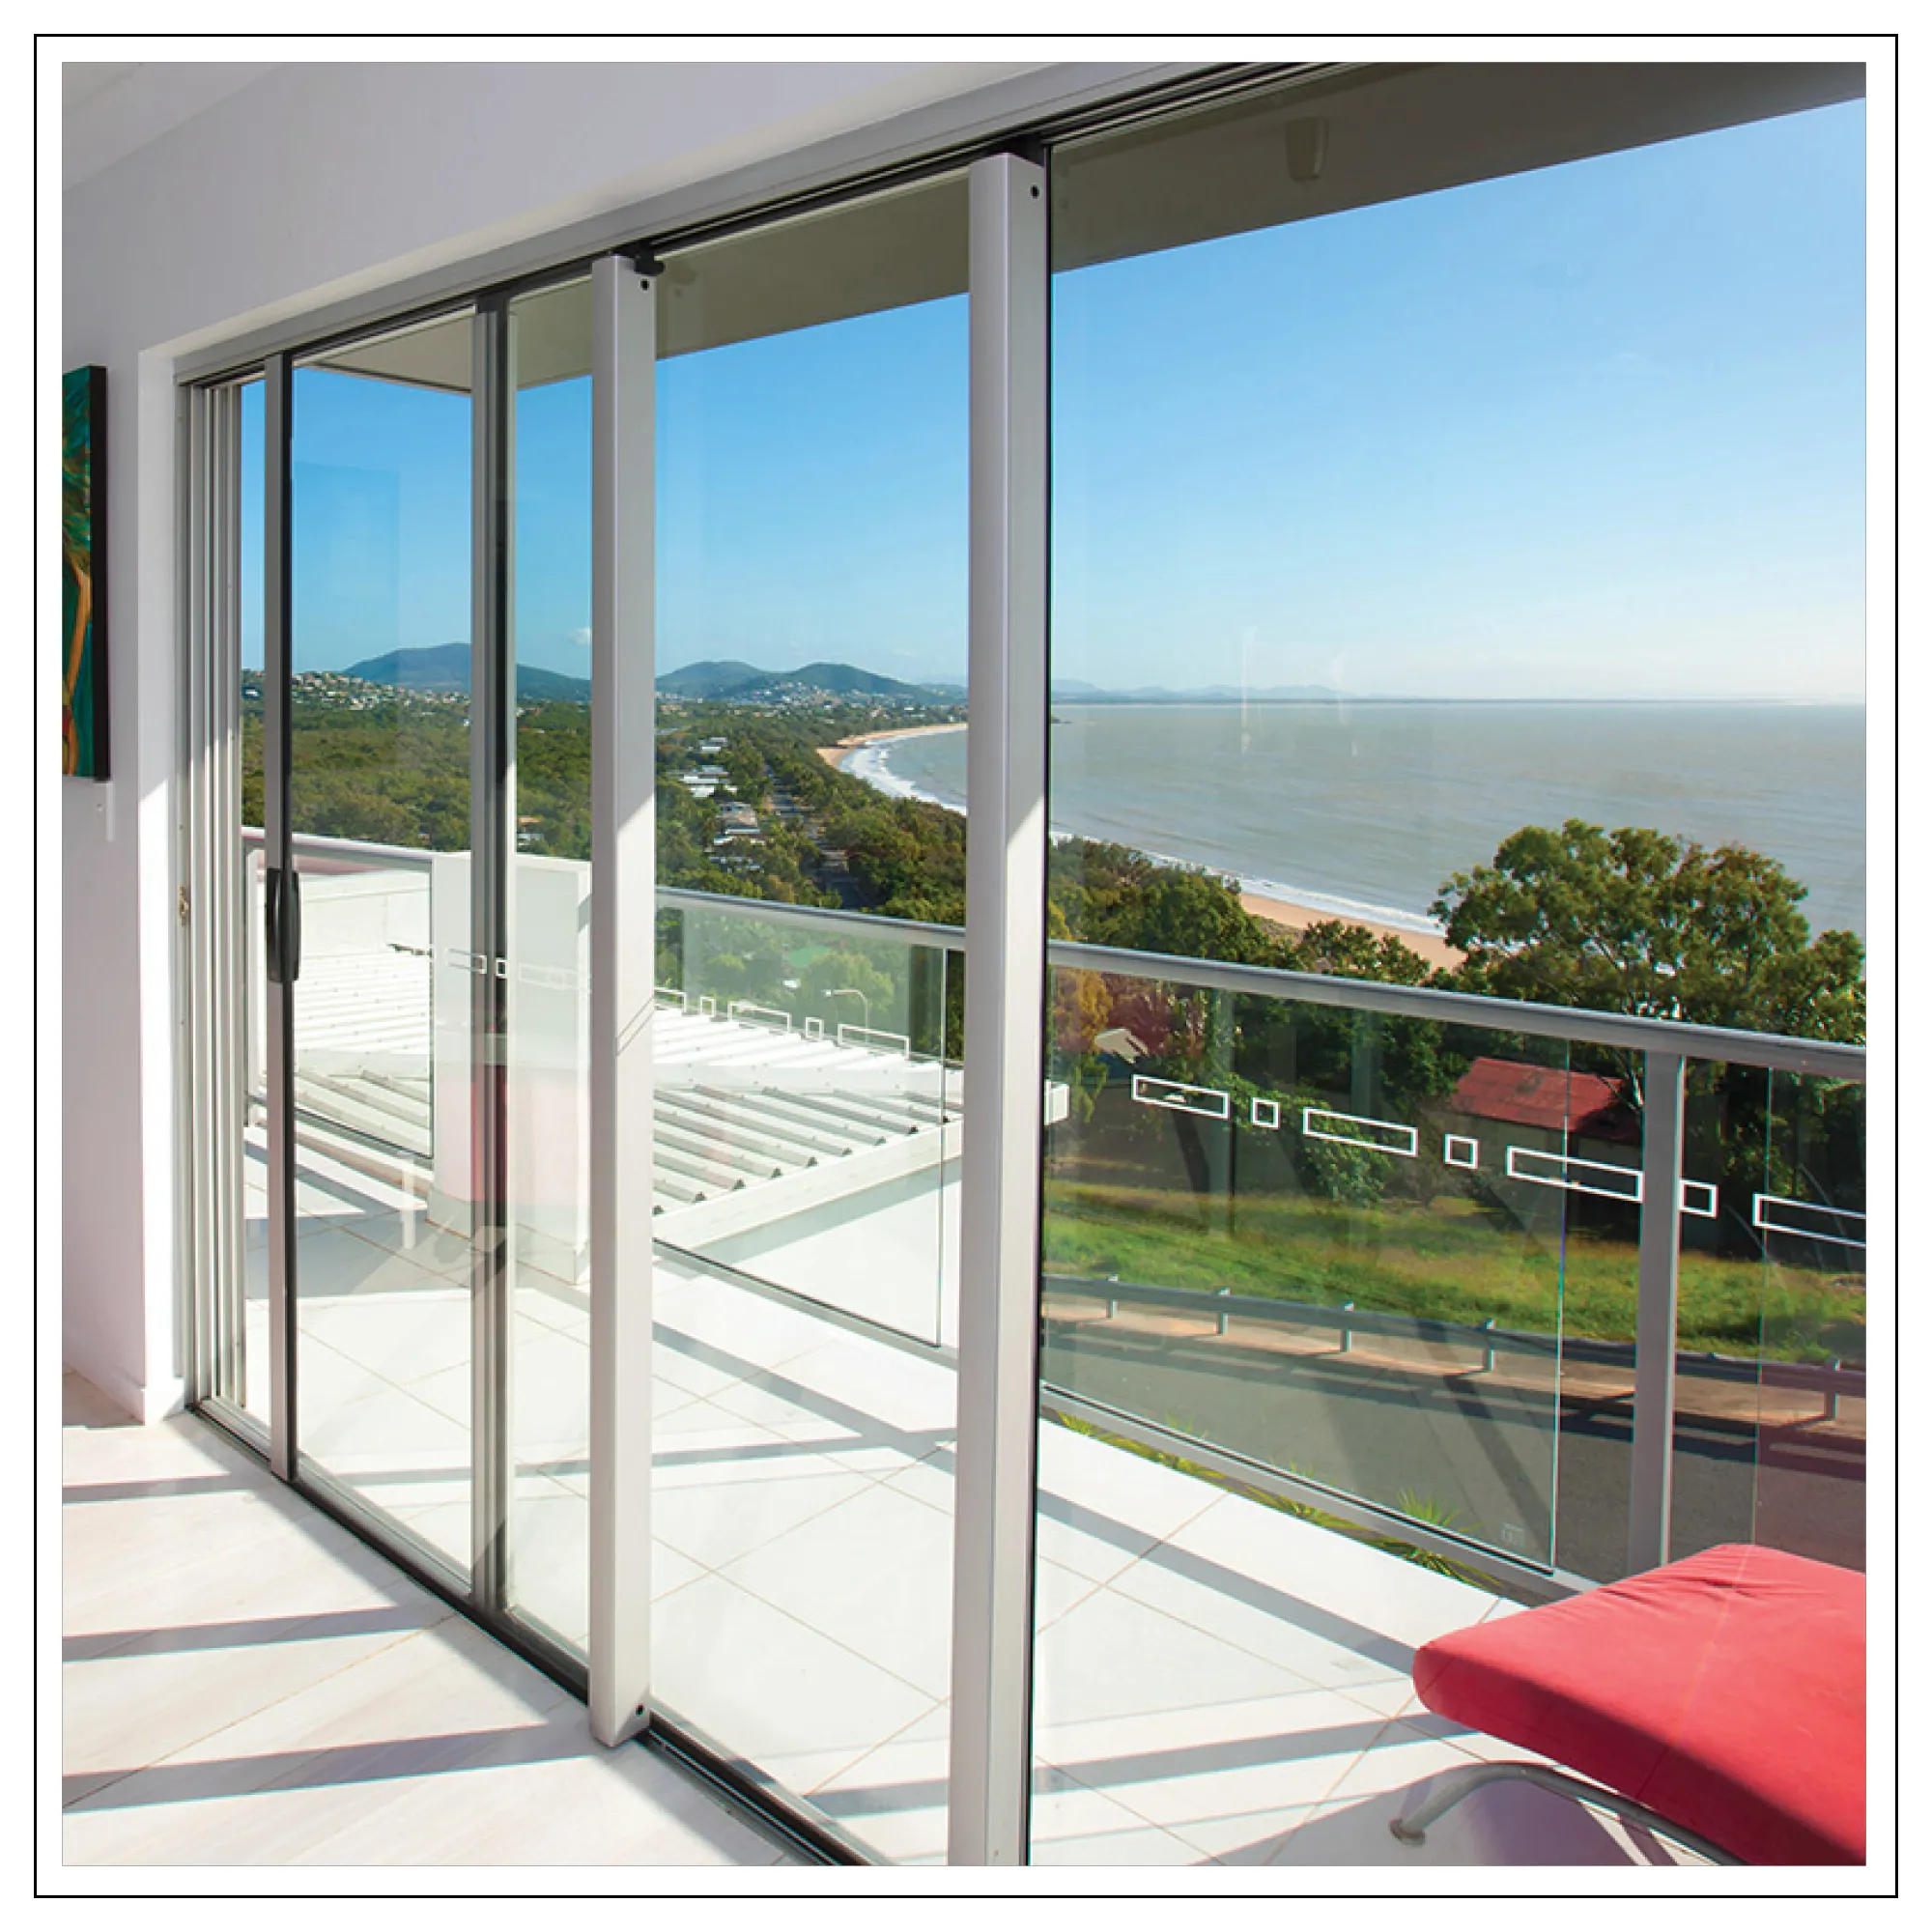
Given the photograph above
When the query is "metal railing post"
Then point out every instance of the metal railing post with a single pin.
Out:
(1654, 1405)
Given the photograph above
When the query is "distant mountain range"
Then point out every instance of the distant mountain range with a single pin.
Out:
(727, 678)
(730, 679)
(447, 668)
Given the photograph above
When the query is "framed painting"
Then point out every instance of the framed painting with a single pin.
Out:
(83, 644)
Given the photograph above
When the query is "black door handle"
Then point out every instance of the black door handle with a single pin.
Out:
(272, 915)
(282, 907)
(292, 927)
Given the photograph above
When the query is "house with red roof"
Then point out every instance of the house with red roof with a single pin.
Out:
(1552, 1098)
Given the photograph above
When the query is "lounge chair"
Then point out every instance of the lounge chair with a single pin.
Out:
(1718, 1701)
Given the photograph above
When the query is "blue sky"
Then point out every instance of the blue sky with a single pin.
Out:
(1597, 431)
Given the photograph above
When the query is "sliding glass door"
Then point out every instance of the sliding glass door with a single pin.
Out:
(451, 570)
(811, 610)
(1345, 1240)
(415, 966)
(1424, 638)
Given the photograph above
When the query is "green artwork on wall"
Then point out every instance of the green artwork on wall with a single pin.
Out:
(83, 643)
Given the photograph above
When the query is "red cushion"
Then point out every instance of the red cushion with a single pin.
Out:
(1727, 1693)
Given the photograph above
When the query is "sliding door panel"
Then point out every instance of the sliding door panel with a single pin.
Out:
(1423, 555)
(547, 953)
(228, 1228)
(374, 931)
(812, 594)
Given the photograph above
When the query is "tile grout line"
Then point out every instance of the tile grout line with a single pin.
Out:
(168, 1758)
(292, 1636)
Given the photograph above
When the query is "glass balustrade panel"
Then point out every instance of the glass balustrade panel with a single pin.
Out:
(1810, 1212)
(1770, 1443)
(807, 1113)
(1297, 1235)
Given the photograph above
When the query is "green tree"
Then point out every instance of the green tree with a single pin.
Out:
(1640, 922)
(1354, 953)
(1354, 1176)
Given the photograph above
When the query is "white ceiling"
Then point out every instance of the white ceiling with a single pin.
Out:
(109, 109)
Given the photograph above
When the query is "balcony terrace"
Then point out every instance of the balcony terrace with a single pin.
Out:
(246, 1682)
(1219, 1679)
(1223, 1639)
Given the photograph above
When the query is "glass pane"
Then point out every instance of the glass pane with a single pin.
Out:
(380, 787)
(1810, 1215)
(1299, 1234)
(254, 1392)
(1770, 1405)
(807, 1111)
(547, 1085)
(1430, 608)
(811, 591)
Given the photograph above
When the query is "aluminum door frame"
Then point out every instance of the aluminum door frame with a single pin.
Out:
(623, 958)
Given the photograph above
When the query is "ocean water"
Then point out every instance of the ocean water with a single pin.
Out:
(1368, 809)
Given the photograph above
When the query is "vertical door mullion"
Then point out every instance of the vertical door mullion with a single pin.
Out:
(213, 986)
(623, 960)
(1005, 969)
(276, 669)
(196, 495)
(221, 881)
(205, 1288)
(491, 717)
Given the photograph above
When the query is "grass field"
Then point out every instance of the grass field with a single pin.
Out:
(1445, 1262)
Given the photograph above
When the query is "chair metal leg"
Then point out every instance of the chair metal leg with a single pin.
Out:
(1412, 1826)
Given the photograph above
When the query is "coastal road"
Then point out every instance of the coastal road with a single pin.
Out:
(1481, 1451)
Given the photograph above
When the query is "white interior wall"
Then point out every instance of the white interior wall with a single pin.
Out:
(312, 185)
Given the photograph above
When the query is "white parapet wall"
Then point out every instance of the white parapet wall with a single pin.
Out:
(548, 1074)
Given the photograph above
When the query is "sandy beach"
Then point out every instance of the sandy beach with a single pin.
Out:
(835, 755)
(1436, 951)
(1284, 913)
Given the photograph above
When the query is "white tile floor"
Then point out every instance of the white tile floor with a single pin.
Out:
(244, 1683)
(1217, 1681)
